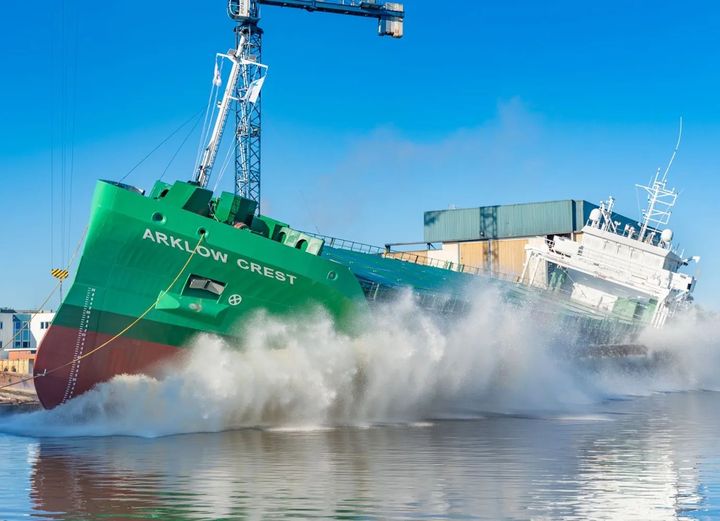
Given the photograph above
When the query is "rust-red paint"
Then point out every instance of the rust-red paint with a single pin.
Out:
(121, 356)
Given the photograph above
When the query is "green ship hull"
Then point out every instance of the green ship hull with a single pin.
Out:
(138, 269)
(157, 270)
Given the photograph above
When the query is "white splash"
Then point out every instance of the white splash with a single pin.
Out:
(405, 366)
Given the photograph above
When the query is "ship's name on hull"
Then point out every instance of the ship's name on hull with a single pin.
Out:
(218, 256)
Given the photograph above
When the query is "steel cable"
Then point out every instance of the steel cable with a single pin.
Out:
(117, 335)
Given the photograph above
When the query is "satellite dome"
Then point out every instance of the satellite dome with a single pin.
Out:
(595, 215)
(667, 235)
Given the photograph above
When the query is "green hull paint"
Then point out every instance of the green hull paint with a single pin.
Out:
(133, 272)
(136, 245)
(135, 248)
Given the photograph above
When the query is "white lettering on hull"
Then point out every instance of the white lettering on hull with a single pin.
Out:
(219, 256)
(266, 271)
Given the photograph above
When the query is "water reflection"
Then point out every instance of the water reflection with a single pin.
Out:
(651, 458)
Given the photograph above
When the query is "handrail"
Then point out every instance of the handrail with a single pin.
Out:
(540, 296)
(414, 258)
(345, 244)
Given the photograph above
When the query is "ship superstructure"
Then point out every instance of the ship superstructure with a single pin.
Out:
(629, 273)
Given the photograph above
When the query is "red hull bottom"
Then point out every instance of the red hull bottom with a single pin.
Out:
(63, 344)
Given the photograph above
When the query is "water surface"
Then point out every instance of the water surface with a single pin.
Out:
(646, 458)
(411, 417)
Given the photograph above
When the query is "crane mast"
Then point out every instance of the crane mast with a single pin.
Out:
(207, 160)
(248, 114)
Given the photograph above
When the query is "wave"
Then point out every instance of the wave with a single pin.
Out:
(399, 364)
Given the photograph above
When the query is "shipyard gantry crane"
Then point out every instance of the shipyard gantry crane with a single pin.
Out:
(247, 112)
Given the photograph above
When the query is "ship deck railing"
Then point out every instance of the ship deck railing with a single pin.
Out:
(414, 258)
(375, 291)
(345, 244)
(537, 302)
(428, 300)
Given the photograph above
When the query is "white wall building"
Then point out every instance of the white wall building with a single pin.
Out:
(23, 329)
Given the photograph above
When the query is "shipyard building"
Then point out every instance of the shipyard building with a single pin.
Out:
(494, 238)
(21, 332)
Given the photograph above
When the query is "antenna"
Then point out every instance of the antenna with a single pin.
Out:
(677, 146)
(660, 199)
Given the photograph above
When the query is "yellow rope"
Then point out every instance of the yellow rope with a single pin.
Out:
(40, 308)
(117, 335)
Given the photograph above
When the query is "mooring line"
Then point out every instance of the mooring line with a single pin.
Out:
(117, 335)
(57, 286)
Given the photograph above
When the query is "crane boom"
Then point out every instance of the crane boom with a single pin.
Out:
(390, 16)
(208, 158)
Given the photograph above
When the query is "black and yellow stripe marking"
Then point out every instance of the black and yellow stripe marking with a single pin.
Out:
(59, 273)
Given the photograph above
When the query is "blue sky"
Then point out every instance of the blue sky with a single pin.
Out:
(481, 103)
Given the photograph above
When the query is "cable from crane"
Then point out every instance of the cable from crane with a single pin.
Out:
(182, 144)
(168, 138)
(121, 332)
(226, 163)
(52, 292)
(73, 125)
(212, 105)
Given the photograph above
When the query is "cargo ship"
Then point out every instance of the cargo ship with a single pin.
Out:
(159, 268)
(164, 266)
